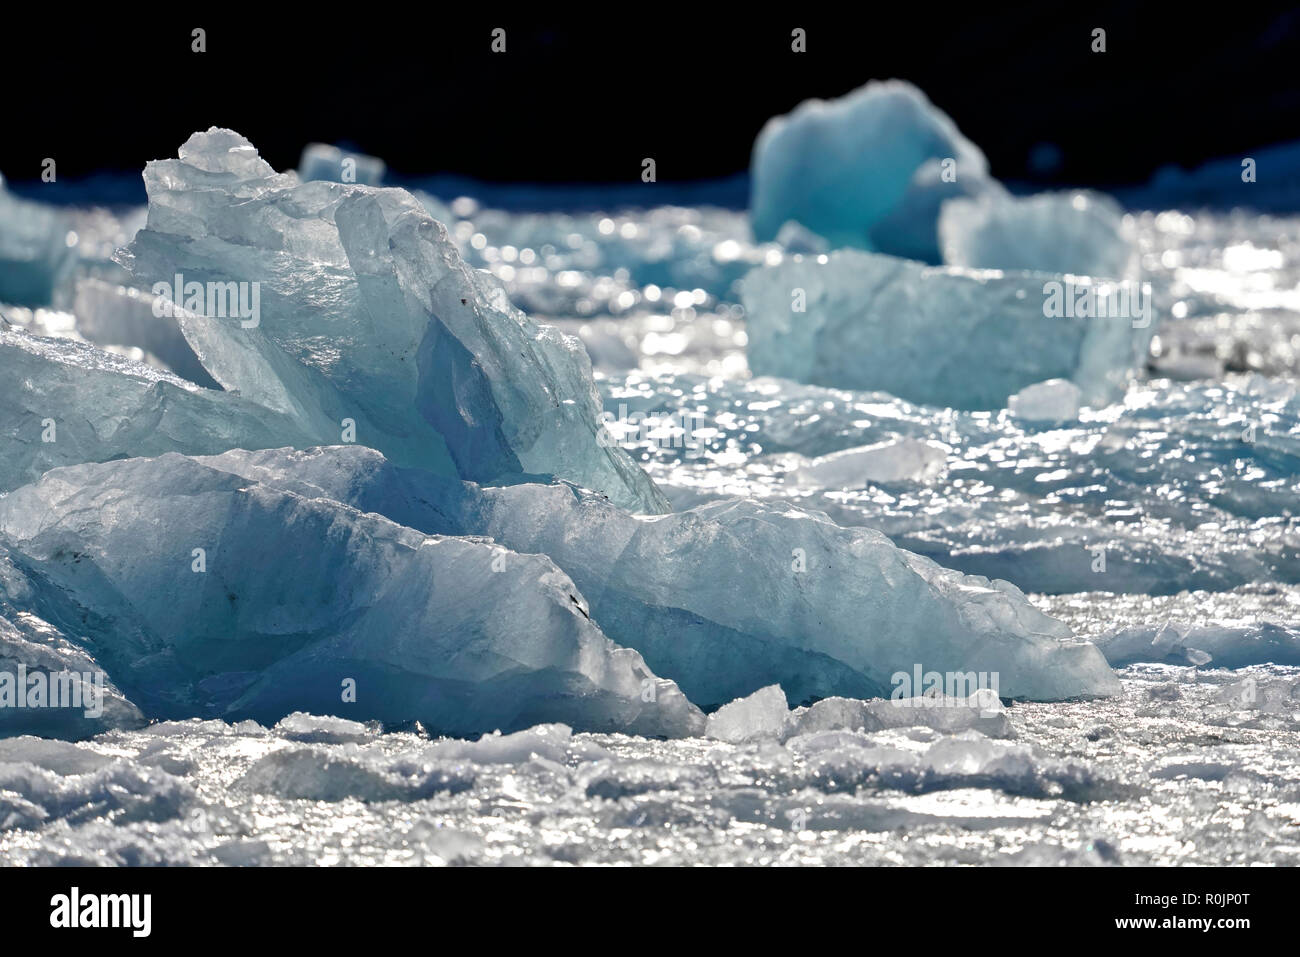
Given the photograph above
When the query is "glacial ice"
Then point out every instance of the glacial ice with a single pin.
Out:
(325, 162)
(762, 714)
(109, 314)
(37, 251)
(729, 596)
(967, 339)
(901, 460)
(204, 594)
(1056, 400)
(66, 402)
(1080, 233)
(865, 170)
(1206, 644)
(368, 314)
(29, 644)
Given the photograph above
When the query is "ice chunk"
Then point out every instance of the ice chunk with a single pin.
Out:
(206, 594)
(966, 339)
(760, 715)
(322, 161)
(865, 170)
(1056, 400)
(899, 460)
(1080, 233)
(37, 251)
(731, 596)
(65, 402)
(368, 319)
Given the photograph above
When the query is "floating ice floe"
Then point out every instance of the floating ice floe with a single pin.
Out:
(203, 594)
(967, 339)
(356, 310)
(1080, 233)
(728, 597)
(869, 170)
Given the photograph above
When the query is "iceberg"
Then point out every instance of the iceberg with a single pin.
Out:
(866, 170)
(966, 339)
(205, 595)
(1080, 233)
(369, 320)
(732, 596)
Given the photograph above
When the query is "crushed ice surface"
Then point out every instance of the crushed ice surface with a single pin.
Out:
(1185, 483)
(1178, 769)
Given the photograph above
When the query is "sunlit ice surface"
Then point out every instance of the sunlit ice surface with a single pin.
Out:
(1186, 485)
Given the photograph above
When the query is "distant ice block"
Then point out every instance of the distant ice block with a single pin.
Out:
(732, 596)
(65, 402)
(899, 460)
(966, 339)
(1080, 233)
(368, 319)
(37, 251)
(1056, 400)
(869, 169)
(206, 595)
(325, 162)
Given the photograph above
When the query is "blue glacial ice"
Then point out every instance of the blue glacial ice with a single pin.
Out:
(821, 610)
(866, 170)
(38, 252)
(165, 568)
(966, 339)
(65, 402)
(1081, 233)
(367, 313)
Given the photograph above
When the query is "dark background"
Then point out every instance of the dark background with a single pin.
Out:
(584, 96)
